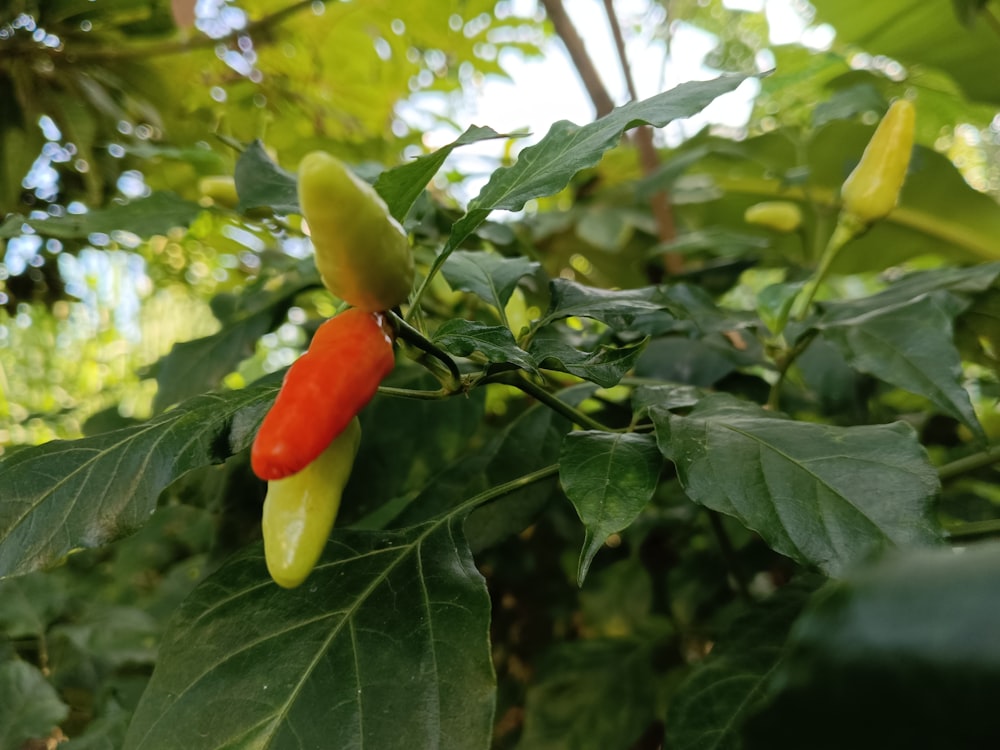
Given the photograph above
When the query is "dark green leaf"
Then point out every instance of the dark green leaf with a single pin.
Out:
(692, 303)
(912, 348)
(399, 187)
(822, 495)
(65, 495)
(548, 166)
(30, 604)
(407, 442)
(463, 337)
(711, 704)
(614, 308)
(683, 360)
(157, 214)
(590, 695)
(260, 183)
(908, 290)
(609, 478)
(30, 707)
(670, 397)
(529, 443)
(491, 277)
(386, 645)
(904, 654)
(605, 366)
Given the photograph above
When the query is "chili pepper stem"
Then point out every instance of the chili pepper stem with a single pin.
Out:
(411, 335)
(846, 230)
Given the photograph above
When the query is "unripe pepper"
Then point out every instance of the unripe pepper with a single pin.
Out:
(322, 392)
(362, 253)
(299, 510)
(872, 189)
(781, 216)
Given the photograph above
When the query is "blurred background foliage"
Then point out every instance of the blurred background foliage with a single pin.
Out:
(120, 129)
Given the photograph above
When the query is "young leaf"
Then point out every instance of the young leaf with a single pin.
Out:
(904, 654)
(65, 495)
(489, 276)
(400, 186)
(822, 495)
(615, 308)
(605, 366)
(609, 478)
(386, 645)
(30, 708)
(463, 337)
(260, 183)
(548, 166)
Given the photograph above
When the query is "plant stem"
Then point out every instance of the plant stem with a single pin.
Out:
(521, 382)
(729, 554)
(411, 335)
(585, 67)
(843, 233)
(961, 466)
(774, 395)
(507, 487)
(974, 529)
(388, 390)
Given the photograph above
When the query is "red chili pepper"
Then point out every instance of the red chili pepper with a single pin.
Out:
(323, 390)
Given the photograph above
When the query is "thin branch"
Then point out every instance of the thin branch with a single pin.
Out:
(649, 159)
(564, 27)
(616, 32)
(973, 529)
(520, 381)
(411, 335)
(976, 461)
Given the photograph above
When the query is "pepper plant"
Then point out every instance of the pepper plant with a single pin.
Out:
(720, 487)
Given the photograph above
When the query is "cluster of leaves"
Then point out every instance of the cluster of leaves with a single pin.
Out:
(585, 513)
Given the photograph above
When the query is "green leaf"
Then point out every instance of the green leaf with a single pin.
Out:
(548, 166)
(385, 646)
(904, 654)
(973, 279)
(698, 362)
(30, 604)
(529, 443)
(609, 478)
(400, 186)
(713, 701)
(615, 308)
(590, 695)
(912, 348)
(463, 337)
(823, 495)
(157, 214)
(260, 183)
(605, 365)
(407, 442)
(65, 495)
(30, 707)
(491, 277)
(918, 33)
